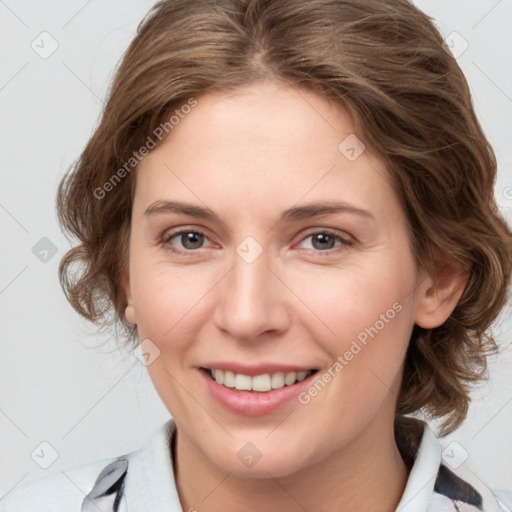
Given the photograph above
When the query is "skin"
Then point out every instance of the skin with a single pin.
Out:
(248, 157)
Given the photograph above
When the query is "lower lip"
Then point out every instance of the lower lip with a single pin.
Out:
(253, 403)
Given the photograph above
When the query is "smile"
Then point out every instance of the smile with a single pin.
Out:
(257, 389)
(259, 383)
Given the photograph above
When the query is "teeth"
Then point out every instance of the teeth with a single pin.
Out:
(243, 382)
(290, 378)
(277, 380)
(218, 376)
(229, 378)
(301, 376)
(261, 383)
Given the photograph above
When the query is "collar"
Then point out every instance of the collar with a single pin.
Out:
(145, 480)
(434, 486)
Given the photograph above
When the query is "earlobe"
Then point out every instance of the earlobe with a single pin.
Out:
(440, 293)
(129, 312)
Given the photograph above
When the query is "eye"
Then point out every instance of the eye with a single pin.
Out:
(324, 241)
(190, 239)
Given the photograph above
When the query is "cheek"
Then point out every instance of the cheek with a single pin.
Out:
(364, 318)
(168, 301)
(356, 303)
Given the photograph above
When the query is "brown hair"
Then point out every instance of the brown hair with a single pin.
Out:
(385, 62)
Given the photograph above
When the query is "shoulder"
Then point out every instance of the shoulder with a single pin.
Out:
(504, 498)
(66, 490)
(439, 481)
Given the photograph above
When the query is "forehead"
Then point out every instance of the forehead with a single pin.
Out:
(264, 142)
(264, 114)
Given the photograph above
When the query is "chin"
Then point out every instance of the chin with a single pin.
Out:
(246, 459)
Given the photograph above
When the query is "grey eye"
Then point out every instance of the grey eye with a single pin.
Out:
(191, 239)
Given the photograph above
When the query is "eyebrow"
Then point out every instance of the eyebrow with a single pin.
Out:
(295, 213)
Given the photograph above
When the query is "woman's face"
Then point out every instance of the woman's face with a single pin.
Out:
(295, 257)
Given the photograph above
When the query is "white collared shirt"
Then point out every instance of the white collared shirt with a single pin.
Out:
(143, 481)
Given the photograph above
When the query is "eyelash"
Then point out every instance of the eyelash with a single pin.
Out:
(344, 242)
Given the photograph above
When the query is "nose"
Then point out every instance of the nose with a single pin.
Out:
(252, 302)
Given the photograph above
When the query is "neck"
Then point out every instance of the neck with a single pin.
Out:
(369, 474)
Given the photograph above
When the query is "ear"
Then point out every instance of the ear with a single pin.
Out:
(440, 291)
(129, 312)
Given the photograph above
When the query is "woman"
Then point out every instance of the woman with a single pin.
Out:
(238, 138)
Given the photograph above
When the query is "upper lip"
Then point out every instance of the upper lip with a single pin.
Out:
(257, 369)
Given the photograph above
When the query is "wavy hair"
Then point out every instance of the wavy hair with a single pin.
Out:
(382, 60)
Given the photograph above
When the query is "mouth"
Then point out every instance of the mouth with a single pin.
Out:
(262, 383)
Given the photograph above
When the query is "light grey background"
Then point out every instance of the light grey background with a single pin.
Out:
(90, 404)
